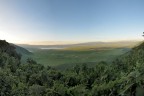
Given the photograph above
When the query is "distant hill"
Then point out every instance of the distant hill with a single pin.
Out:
(120, 44)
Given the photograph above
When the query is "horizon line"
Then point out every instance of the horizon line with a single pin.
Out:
(71, 42)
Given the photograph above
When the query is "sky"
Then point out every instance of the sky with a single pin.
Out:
(24, 21)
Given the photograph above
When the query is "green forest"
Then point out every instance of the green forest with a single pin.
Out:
(123, 77)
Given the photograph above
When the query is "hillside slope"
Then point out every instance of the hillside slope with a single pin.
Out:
(25, 54)
(14, 50)
(133, 57)
(8, 56)
(21, 50)
(131, 67)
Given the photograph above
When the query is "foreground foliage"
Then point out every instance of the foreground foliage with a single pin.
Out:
(124, 77)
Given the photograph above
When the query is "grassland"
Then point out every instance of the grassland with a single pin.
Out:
(68, 58)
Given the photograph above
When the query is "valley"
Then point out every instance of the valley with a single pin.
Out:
(70, 58)
(67, 56)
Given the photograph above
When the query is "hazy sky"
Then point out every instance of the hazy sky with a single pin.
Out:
(71, 20)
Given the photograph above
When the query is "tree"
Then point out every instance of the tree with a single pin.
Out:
(36, 90)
